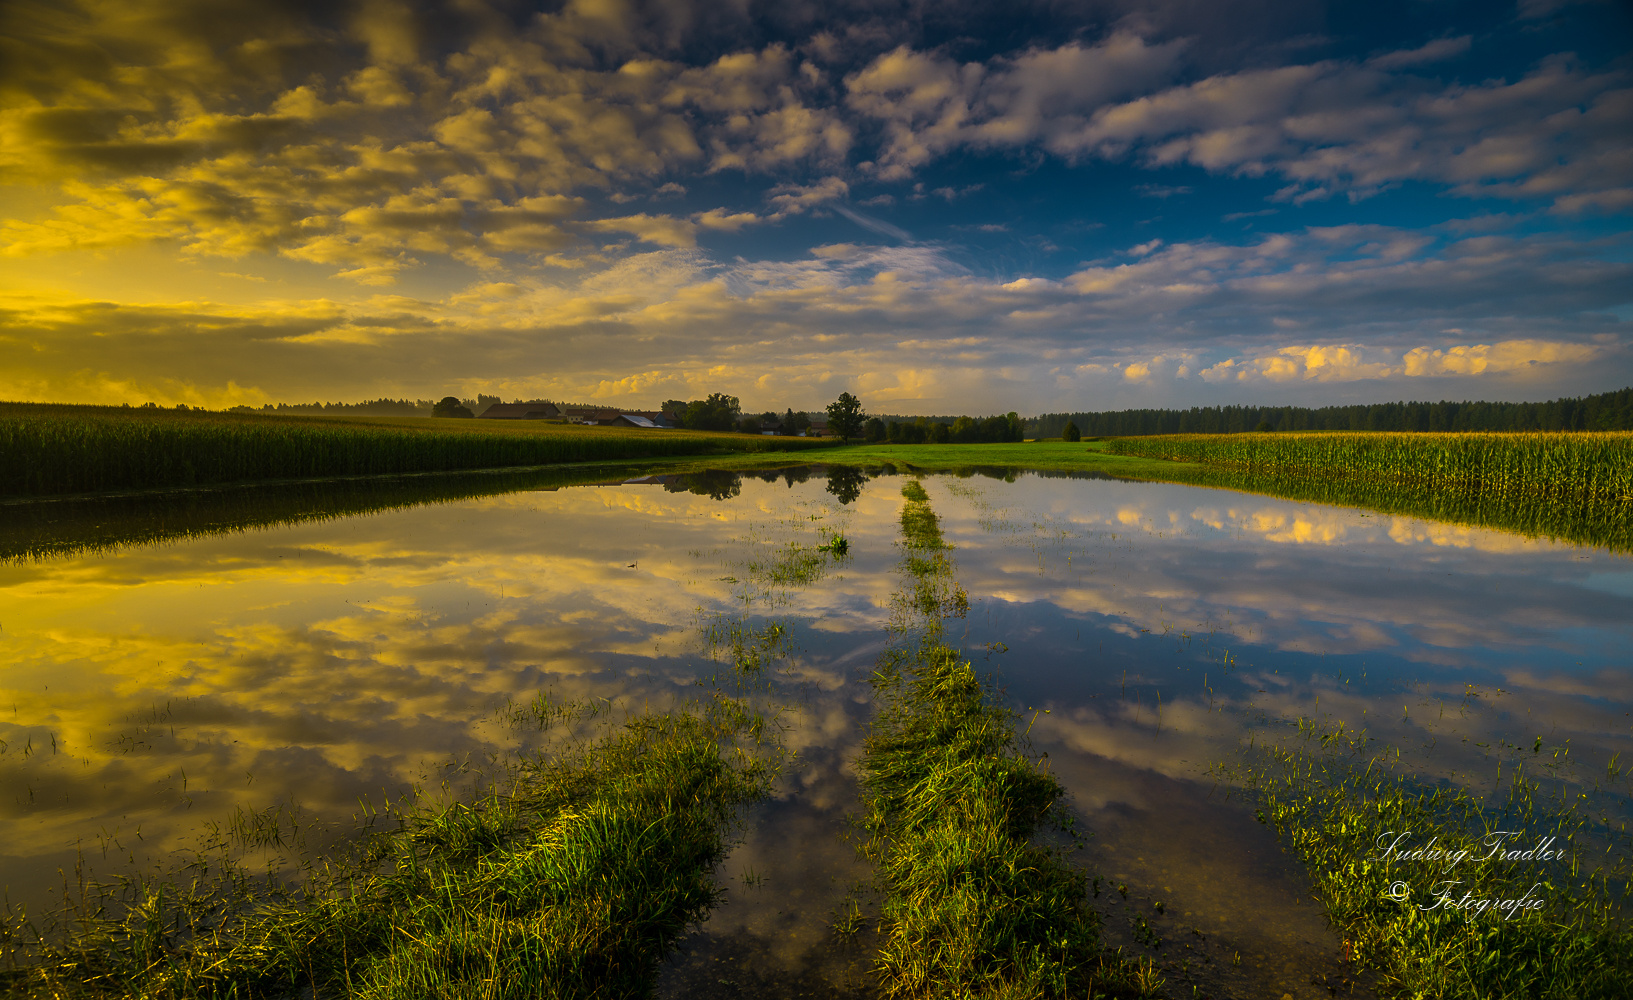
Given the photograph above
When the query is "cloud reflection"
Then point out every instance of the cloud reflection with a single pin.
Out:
(326, 661)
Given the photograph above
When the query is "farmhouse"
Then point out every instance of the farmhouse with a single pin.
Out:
(521, 411)
(612, 418)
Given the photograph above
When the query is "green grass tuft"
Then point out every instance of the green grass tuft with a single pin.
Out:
(574, 882)
(1339, 803)
(972, 906)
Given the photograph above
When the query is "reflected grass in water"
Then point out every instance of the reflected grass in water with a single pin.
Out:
(1607, 525)
(47, 529)
(1344, 806)
(1575, 487)
(972, 904)
(573, 880)
(55, 528)
(1603, 525)
(49, 449)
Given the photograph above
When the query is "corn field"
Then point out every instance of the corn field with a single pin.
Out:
(1574, 474)
(47, 449)
(1565, 463)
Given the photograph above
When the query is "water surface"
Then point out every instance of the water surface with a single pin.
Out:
(1143, 631)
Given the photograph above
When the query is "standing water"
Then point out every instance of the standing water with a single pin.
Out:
(317, 672)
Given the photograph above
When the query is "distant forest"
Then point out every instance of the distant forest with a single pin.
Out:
(375, 407)
(370, 407)
(1607, 411)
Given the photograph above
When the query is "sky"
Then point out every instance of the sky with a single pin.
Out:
(942, 207)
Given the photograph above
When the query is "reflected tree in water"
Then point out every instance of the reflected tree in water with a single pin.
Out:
(845, 483)
(714, 484)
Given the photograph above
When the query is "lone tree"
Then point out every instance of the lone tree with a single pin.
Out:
(845, 417)
(1071, 433)
(450, 406)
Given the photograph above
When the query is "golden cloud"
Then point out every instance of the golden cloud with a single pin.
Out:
(1347, 362)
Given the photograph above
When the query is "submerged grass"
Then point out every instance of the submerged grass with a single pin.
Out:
(48, 449)
(1520, 916)
(571, 881)
(972, 904)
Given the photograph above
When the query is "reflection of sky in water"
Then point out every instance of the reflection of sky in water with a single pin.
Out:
(161, 686)
(329, 661)
(1386, 620)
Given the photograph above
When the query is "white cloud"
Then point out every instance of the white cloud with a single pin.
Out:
(1435, 51)
(873, 225)
(725, 220)
(791, 199)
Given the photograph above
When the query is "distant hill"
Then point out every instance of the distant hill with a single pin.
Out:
(1607, 411)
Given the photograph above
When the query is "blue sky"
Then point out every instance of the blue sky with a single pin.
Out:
(942, 207)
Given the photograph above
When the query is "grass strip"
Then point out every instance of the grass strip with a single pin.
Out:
(48, 449)
(572, 883)
(1434, 925)
(972, 904)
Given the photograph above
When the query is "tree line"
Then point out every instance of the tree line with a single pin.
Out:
(939, 430)
(382, 407)
(720, 412)
(1607, 411)
(369, 407)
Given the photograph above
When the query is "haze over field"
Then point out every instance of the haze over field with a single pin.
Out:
(942, 207)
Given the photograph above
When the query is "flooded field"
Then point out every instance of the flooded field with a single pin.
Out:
(1144, 632)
